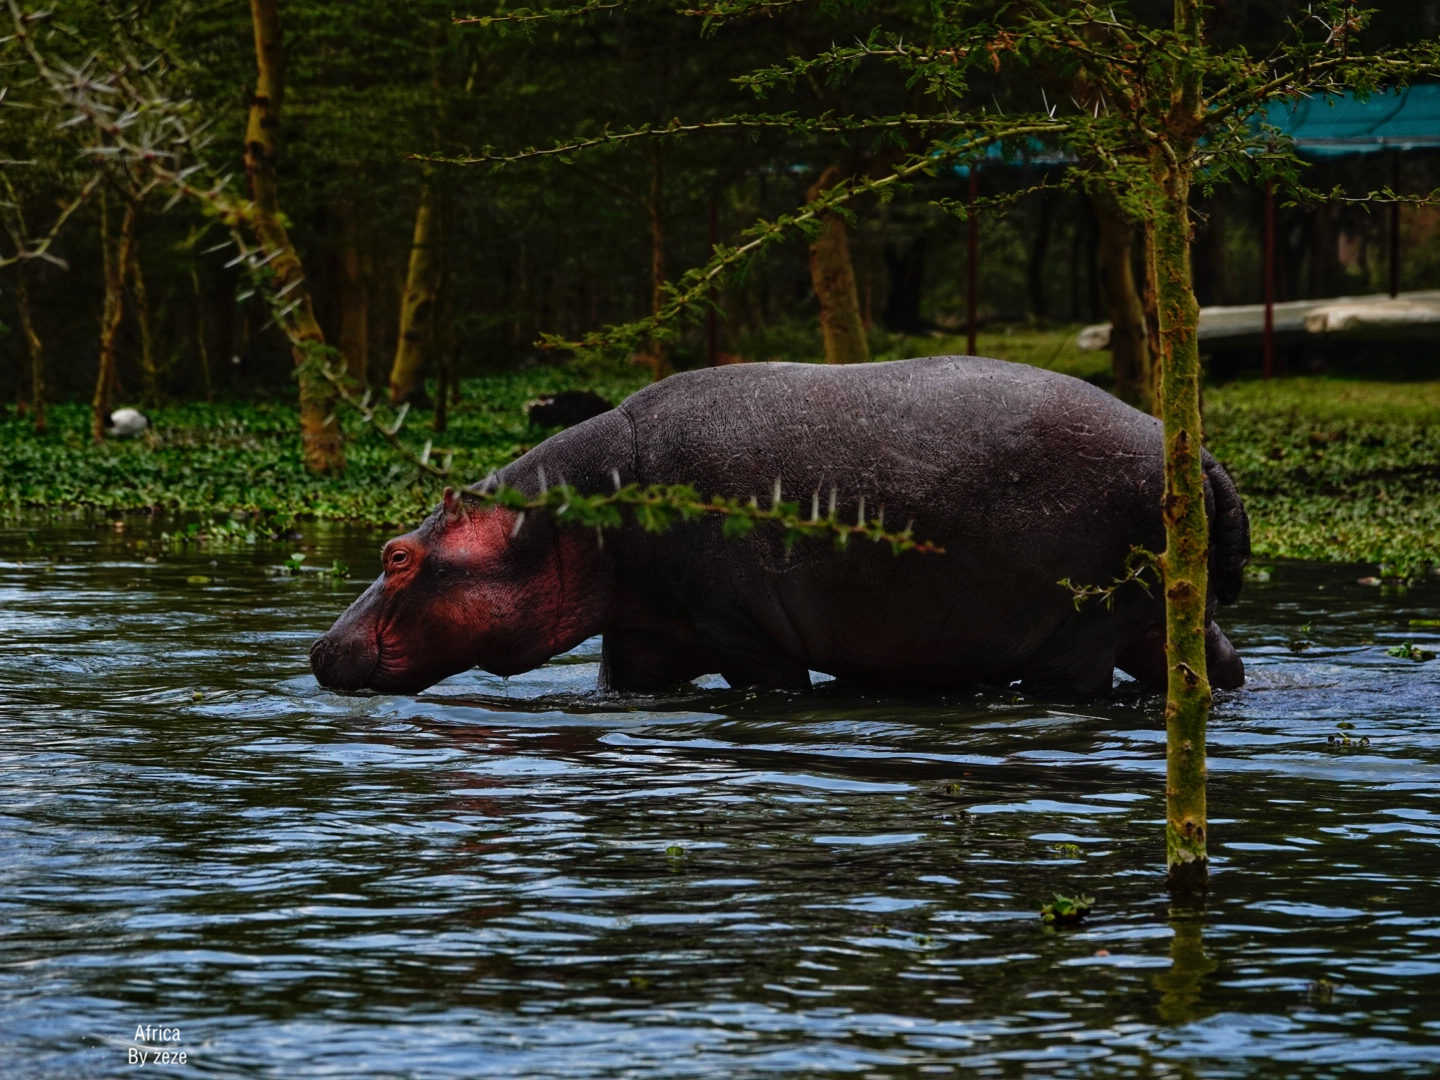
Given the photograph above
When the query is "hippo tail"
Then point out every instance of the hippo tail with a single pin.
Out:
(1229, 535)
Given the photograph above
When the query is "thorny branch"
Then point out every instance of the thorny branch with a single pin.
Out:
(1137, 564)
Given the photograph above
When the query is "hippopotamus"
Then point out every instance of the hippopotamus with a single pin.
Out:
(1023, 476)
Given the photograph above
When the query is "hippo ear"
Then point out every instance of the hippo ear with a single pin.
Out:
(458, 505)
(454, 506)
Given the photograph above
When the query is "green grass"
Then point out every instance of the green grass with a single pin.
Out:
(1338, 469)
(1329, 468)
(216, 459)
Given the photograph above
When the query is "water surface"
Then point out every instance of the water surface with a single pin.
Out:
(524, 878)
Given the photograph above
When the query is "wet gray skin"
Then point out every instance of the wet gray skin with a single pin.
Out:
(526, 879)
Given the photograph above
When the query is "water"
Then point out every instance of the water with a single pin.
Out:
(525, 879)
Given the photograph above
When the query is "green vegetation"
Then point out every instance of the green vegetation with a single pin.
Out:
(221, 458)
(1338, 469)
(1066, 910)
(1330, 468)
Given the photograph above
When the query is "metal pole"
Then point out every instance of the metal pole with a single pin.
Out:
(1395, 225)
(1269, 278)
(971, 321)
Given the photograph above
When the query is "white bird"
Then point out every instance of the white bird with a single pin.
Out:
(127, 423)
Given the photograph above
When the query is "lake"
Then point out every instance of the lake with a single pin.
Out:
(523, 878)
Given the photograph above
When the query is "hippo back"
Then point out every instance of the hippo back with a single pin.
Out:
(1024, 476)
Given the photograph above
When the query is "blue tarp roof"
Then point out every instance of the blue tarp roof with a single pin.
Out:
(1407, 119)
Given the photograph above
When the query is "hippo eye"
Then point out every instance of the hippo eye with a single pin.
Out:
(398, 559)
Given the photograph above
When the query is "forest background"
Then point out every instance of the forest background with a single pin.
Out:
(382, 100)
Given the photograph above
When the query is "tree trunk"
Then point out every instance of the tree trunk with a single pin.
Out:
(33, 346)
(354, 301)
(1149, 300)
(659, 353)
(116, 255)
(833, 277)
(149, 373)
(201, 346)
(319, 432)
(1130, 356)
(417, 305)
(1185, 563)
(1035, 265)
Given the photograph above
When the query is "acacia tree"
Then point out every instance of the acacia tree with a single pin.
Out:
(1159, 111)
(319, 433)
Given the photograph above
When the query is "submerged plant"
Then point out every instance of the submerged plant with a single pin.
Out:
(1407, 651)
(1066, 910)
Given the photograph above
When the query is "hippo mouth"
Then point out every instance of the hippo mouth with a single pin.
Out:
(347, 663)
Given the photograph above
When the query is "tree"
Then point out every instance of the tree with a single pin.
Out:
(319, 432)
(1166, 111)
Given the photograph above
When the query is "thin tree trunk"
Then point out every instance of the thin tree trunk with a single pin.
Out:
(1187, 540)
(1130, 356)
(354, 302)
(201, 345)
(832, 274)
(149, 373)
(1035, 265)
(417, 306)
(659, 353)
(116, 256)
(319, 432)
(33, 346)
(1150, 301)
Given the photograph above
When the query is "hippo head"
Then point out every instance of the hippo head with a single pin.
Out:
(473, 585)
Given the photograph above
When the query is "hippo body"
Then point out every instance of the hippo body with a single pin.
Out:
(1023, 476)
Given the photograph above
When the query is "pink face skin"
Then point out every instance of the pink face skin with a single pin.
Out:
(471, 586)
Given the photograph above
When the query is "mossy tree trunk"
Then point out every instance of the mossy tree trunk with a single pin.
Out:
(832, 273)
(1187, 538)
(116, 255)
(320, 434)
(1130, 356)
(1185, 563)
(417, 305)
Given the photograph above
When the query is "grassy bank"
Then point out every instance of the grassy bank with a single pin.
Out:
(1330, 468)
(217, 459)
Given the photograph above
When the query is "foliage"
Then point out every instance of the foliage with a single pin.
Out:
(1338, 469)
(1407, 651)
(242, 456)
(1334, 469)
(1066, 910)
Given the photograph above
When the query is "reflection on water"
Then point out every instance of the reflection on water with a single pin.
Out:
(524, 878)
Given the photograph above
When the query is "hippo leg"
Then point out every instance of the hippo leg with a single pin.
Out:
(1144, 659)
(772, 671)
(1227, 670)
(1081, 671)
(643, 661)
